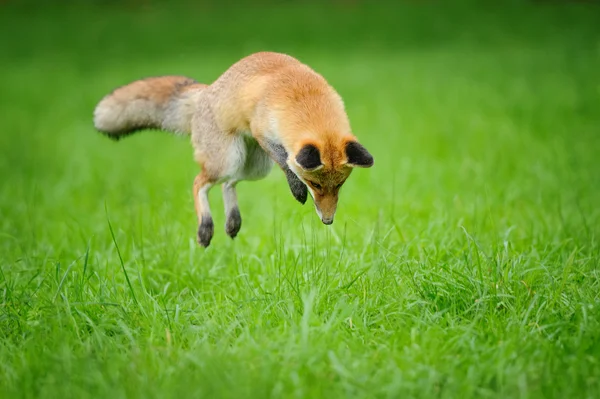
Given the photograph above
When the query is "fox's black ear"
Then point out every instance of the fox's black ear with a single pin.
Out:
(309, 158)
(358, 156)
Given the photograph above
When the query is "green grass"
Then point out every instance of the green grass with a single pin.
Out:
(464, 264)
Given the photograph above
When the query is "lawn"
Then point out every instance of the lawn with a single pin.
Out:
(464, 264)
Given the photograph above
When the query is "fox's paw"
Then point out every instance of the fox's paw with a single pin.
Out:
(233, 223)
(300, 192)
(299, 189)
(205, 231)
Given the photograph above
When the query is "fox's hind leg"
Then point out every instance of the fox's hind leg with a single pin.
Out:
(222, 154)
(233, 218)
(202, 184)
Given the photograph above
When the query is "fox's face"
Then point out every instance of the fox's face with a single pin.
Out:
(325, 169)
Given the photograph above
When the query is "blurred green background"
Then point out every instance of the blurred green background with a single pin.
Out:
(465, 263)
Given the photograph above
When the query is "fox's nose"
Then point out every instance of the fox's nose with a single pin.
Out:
(327, 220)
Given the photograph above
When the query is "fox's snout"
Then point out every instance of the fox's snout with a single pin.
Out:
(326, 206)
(327, 221)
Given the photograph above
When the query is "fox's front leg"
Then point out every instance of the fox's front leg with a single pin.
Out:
(202, 184)
(299, 190)
(279, 155)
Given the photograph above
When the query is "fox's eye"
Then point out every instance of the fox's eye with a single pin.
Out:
(315, 185)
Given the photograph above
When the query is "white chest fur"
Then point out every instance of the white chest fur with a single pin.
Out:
(248, 161)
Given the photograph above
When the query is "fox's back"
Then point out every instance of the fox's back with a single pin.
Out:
(280, 83)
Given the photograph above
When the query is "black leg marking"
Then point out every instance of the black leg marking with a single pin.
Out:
(298, 188)
(205, 231)
(279, 155)
(277, 152)
(233, 223)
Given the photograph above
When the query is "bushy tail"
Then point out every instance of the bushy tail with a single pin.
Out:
(165, 103)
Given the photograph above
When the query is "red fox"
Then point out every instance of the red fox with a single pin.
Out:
(267, 107)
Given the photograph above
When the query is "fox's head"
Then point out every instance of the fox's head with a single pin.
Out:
(325, 167)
